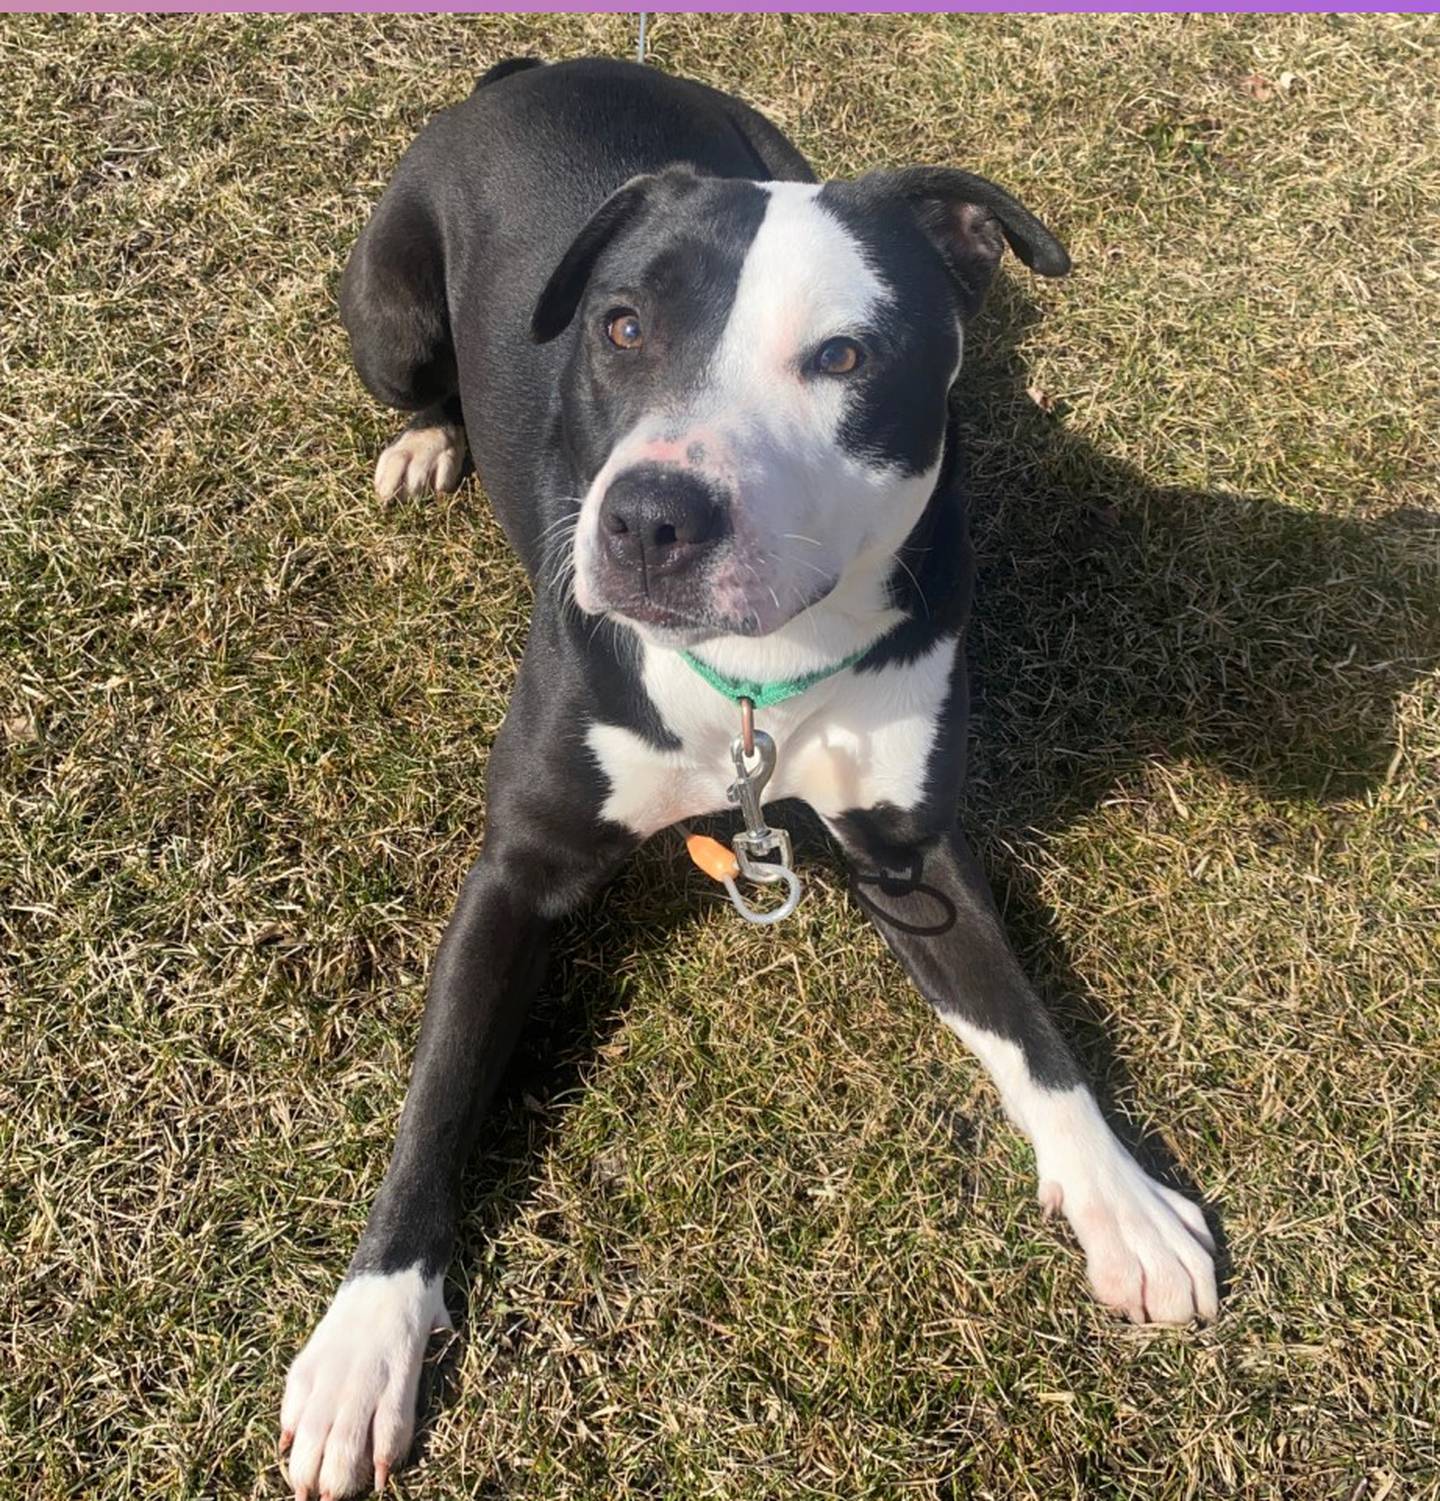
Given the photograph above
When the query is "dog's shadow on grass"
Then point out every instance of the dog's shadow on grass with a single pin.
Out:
(1123, 627)
(1118, 626)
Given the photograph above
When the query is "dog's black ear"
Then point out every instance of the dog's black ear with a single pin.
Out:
(970, 220)
(566, 286)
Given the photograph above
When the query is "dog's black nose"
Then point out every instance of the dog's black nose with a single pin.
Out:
(661, 518)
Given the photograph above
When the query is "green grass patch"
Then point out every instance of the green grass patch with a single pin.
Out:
(747, 1224)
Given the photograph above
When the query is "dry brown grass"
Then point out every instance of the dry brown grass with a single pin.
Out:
(748, 1224)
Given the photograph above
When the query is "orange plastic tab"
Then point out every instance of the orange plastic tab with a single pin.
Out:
(714, 858)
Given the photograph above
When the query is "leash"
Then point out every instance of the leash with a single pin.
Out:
(759, 853)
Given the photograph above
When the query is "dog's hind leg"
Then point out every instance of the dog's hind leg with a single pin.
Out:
(429, 454)
(1148, 1251)
(392, 302)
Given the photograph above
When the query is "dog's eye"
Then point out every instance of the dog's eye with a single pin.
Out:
(622, 328)
(838, 357)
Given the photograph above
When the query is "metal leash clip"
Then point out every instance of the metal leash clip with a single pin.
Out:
(762, 853)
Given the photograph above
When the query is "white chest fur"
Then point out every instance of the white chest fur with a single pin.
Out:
(851, 741)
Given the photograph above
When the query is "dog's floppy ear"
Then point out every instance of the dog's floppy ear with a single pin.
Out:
(566, 286)
(970, 220)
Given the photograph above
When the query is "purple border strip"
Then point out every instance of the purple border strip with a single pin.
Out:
(616, 7)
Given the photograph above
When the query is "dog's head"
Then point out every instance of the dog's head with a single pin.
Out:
(760, 382)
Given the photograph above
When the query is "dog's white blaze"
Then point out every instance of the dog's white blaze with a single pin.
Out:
(804, 280)
(1147, 1249)
(849, 742)
(350, 1394)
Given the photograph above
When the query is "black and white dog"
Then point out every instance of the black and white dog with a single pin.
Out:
(709, 399)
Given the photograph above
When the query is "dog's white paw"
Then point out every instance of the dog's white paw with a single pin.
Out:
(349, 1410)
(421, 459)
(1148, 1252)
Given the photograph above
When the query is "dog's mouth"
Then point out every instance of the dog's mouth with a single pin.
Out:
(681, 623)
(683, 627)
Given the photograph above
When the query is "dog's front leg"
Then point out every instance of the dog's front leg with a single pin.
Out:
(1147, 1249)
(349, 1406)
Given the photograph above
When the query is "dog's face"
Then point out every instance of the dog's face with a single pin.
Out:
(759, 387)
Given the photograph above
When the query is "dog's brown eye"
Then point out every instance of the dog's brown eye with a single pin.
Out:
(623, 329)
(838, 357)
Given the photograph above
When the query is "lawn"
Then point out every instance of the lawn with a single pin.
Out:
(749, 1223)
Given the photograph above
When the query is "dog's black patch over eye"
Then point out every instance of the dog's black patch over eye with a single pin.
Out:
(838, 357)
(622, 328)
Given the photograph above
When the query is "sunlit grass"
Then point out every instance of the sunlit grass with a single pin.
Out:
(748, 1223)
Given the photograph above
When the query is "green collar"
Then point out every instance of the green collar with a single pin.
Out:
(767, 695)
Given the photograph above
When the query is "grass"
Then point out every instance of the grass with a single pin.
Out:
(748, 1224)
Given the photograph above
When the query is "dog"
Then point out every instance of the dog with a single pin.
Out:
(710, 400)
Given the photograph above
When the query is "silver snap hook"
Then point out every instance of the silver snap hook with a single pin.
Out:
(775, 914)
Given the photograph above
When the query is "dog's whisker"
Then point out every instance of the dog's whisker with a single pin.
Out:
(925, 603)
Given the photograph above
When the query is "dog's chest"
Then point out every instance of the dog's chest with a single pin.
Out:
(849, 742)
